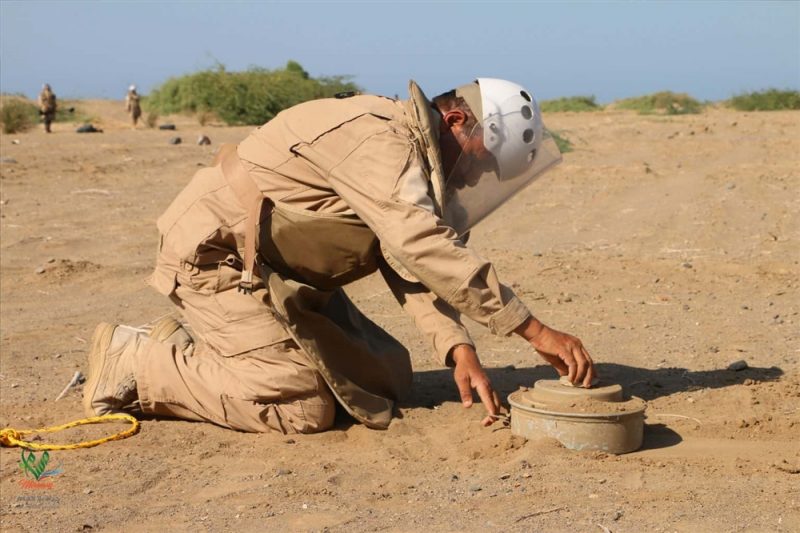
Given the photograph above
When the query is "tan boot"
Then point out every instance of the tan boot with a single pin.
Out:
(111, 382)
(171, 331)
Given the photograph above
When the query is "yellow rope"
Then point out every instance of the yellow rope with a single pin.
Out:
(14, 437)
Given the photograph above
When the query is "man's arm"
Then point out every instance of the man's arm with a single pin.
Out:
(383, 184)
(441, 324)
(434, 318)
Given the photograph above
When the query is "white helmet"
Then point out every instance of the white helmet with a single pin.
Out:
(132, 88)
(512, 125)
(514, 134)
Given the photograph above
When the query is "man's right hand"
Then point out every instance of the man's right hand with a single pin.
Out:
(469, 375)
(563, 351)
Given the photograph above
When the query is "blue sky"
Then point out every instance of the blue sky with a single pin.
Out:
(711, 50)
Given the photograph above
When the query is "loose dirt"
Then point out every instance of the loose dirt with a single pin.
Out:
(669, 245)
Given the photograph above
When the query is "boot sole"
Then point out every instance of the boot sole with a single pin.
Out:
(101, 340)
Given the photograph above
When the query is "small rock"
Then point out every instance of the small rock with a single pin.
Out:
(617, 515)
(87, 491)
(686, 264)
(8, 160)
(282, 472)
(51, 260)
(686, 307)
(290, 441)
(203, 140)
(730, 186)
(175, 140)
(170, 127)
(475, 488)
(505, 476)
(87, 128)
(734, 124)
(14, 385)
(15, 141)
(736, 366)
(39, 270)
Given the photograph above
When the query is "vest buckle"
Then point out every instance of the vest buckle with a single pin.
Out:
(246, 283)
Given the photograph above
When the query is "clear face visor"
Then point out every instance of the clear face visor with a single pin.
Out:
(478, 185)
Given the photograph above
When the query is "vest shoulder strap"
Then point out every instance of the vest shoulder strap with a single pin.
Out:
(251, 198)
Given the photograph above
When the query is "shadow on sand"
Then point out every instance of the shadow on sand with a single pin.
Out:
(433, 387)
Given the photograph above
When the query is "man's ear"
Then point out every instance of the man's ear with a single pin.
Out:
(454, 117)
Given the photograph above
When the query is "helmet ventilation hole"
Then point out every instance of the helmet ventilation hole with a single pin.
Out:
(526, 112)
(527, 135)
(525, 95)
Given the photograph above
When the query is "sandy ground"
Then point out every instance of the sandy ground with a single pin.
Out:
(670, 245)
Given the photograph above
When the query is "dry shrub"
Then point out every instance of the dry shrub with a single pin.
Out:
(17, 114)
(205, 117)
(151, 120)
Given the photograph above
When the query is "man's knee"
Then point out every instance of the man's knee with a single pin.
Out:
(311, 414)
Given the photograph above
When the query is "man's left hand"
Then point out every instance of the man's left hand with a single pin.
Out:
(468, 375)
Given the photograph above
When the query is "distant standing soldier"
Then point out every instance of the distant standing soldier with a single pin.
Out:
(47, 106)
(132, 104)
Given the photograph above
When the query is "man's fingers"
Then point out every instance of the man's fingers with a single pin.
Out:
(591, 374)
(556, 363)
(570, 362)
(497, 401)
(487, 397)
(465, 391)
(581, 365)
(490, 401)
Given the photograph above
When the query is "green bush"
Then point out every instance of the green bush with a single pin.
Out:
(570, 103)
(564, 144)
(17, 114)
(665, 102)
(250, 97)
(768, 100)
(67, 111)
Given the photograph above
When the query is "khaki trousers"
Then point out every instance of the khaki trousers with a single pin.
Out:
(246, 372)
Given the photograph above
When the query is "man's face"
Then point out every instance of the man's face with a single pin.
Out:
(470, 139)
(474, 159)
